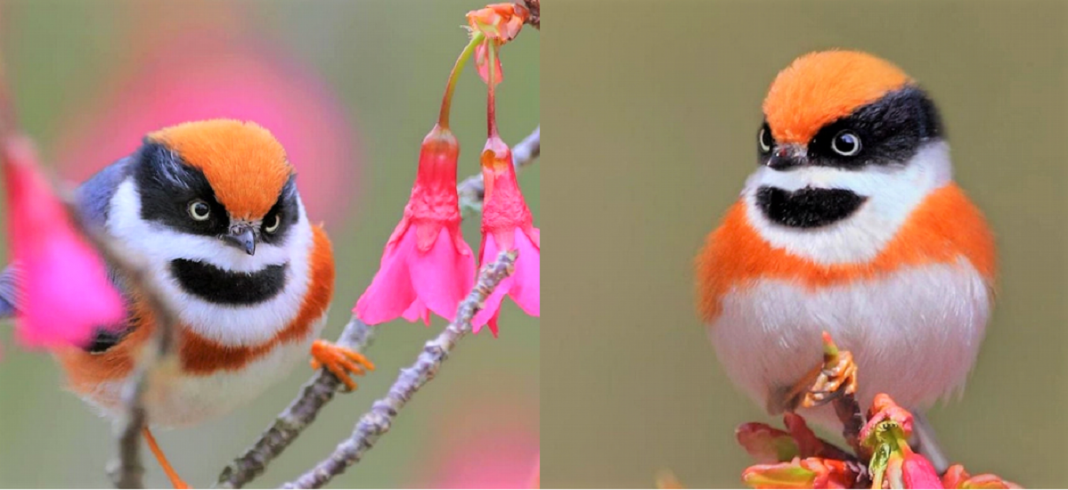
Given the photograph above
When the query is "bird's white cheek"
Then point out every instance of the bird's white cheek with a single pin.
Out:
(160, 244)
(244, 325)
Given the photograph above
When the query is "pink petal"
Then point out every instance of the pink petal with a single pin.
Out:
(482, 62)
(66, 293)
(417, 311)
(492, 306)
(526, 279)
(766, 444)
(443, 275)
(918, 472)
(390, 293)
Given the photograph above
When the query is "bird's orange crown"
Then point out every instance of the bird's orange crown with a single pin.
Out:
(819, 88)
(245, 165)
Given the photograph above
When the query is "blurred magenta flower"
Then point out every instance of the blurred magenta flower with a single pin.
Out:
(497, 449)
(197, 73)
(64, 292)
(427, 266)
(535, 478)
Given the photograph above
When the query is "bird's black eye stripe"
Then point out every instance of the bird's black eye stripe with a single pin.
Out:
(286, 211)
(167, 186)
(889, 130)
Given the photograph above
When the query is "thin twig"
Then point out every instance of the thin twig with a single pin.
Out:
(296, 417)
(848, 411)
(472, 189)
(127, 471)
(318, 391)
(380, 418)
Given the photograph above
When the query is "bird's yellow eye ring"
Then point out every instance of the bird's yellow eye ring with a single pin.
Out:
(275, 222)
(199, 210)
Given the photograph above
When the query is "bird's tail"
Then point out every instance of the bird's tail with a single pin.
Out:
(8, 291)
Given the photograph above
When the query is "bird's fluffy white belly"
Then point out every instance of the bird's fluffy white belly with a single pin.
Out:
(914, 333)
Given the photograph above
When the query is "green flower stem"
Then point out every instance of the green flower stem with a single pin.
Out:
(457, 68)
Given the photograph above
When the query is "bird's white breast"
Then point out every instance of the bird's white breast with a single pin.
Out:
(914, 333)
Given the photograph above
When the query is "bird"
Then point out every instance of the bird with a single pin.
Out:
(851, 224)
(212, 209)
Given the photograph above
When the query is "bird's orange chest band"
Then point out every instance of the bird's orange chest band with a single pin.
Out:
(945, 227)
(200, 356)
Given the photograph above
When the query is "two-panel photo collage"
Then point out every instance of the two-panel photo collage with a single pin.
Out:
(298, 244)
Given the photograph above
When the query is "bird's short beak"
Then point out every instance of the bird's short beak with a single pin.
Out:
(242, 237)
(787, 157)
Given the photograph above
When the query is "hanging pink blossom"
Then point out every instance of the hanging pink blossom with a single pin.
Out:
(426, 267)
(507, 225)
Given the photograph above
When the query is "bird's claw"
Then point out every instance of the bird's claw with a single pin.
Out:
(341, 361)
(837, 377)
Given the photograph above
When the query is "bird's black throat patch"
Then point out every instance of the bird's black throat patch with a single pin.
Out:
(808, 207)
(221, 286)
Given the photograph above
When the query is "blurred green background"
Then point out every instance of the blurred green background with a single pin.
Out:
(354, 86)
(652, 109)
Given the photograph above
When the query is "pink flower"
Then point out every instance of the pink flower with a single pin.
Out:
(801, 473)
(506, 225)
(427, 266)
(497, 23)
(64, 290)
(912, 470)
(506, 222)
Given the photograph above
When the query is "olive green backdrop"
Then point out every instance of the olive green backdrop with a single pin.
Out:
(651, 110)
(387, 63)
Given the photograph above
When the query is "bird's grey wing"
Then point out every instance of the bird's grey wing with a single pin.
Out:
(91, 198)
(8, 292)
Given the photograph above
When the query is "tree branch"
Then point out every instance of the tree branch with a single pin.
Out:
(472, 189)
(317, 392)
(379, 420)
(127, 471)
(297, 416)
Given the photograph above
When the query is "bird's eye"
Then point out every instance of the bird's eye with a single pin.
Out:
(846, 143)
(765, 139)
(275, 221)
(199, 210)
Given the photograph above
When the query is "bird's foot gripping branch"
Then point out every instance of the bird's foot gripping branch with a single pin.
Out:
(879, 456)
